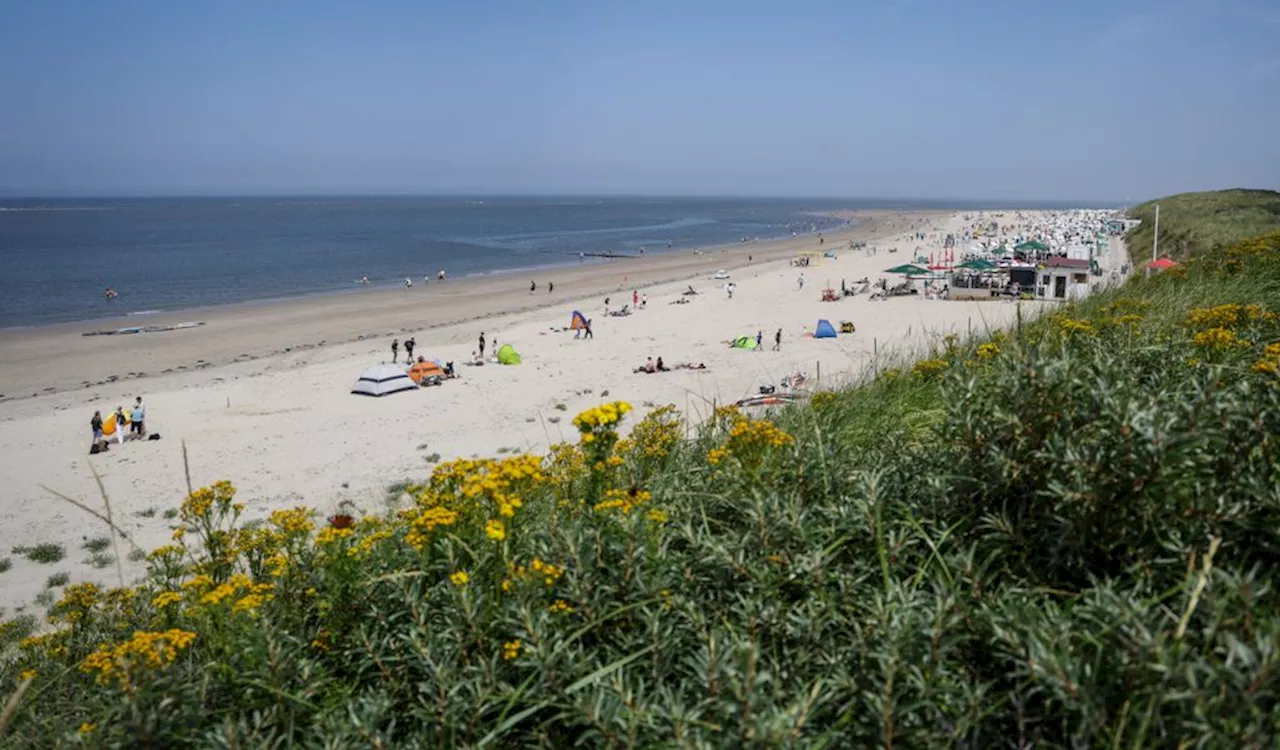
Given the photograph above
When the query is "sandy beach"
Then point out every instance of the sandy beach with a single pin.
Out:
(260, 393)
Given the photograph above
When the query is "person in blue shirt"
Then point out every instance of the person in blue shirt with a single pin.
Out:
(137, 418)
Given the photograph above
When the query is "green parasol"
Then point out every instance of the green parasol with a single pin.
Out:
(908, 269)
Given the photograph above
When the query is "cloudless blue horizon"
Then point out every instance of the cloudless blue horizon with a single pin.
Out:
(902, 99)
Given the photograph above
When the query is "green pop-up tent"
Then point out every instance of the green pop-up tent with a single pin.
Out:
(744, 342)
(508, 356)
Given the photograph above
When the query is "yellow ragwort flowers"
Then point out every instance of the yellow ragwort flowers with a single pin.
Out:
(510, 650)
(624, 501)
(495, 530)
(146, 650)
(988, 350)
(604, 416)
(1218, 339)
(460, 578)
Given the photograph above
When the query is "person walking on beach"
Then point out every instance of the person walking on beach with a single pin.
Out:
(481, 345)
(759, 340)
(138, 418)
(395, 349)
(409, 343)
(800, 282)
(96, 425)
(533, 287)
(587, 334)
(551, 287)
(635, 298)
(777, 341)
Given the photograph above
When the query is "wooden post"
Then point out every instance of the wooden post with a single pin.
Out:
(819, 371)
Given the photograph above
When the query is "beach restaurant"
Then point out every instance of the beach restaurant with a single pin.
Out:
(1063, 278)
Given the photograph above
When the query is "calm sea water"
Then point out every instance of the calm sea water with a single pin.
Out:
(59, 256)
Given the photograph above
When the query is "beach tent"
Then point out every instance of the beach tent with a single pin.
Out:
(577, 322)
(1161, 264)
(508, 356)
(383, 379)
(426, 372)
(824, 330)
(109, 424)
(744, 342)
(908, 269)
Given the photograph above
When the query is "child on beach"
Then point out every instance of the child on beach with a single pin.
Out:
(96, 425)
(482, 345)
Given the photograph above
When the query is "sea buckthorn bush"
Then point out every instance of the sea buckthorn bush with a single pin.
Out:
(1059, 536)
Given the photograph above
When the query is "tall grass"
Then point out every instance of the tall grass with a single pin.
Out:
(1194, 222)
(1065, 536)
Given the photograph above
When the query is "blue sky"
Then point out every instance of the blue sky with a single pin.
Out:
(1032, 99)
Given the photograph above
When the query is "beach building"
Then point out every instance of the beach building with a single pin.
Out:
(1063, 278)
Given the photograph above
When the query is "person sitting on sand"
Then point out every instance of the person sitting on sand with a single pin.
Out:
(661, 367)
(649, 366)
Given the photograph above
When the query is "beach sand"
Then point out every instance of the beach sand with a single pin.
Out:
(260, 393)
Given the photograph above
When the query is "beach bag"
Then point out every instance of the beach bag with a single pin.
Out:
(153, 436)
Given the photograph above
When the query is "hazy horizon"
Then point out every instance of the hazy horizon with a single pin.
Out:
(1091, 102)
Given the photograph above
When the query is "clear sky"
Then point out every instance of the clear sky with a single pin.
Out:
(1000, 99)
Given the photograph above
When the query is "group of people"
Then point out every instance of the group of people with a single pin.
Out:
(135, 418)
(533, 287)
(409, 344)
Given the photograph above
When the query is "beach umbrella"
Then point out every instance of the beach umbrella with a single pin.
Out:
(978, 264)
(1161, 264)
(1039, 247)
(908, 269)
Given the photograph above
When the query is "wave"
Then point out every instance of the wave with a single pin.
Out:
(145, 312)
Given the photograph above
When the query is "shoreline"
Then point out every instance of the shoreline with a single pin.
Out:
(29, 355)
(259, 402)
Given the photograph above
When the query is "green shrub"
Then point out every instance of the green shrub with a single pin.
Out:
(97, 544)
(57, 579)
(43, 553)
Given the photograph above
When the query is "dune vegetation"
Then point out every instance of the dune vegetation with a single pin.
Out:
(1064, 535)
(1192, 222)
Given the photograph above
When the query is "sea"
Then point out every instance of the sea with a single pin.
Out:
(164, 254)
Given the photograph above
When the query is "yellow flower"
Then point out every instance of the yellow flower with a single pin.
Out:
(1272, 350)
(560, 606)
(330, 535)
(87, 728)
(145, 650)
(1265, 367)
(657, 516)
(988, 350)
(460, 578)
(510, 650)
(199, 582)
(930, 367)
(165, 598)
(293, 521)
(495, 530)
(28, 674)
(1219, 339)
